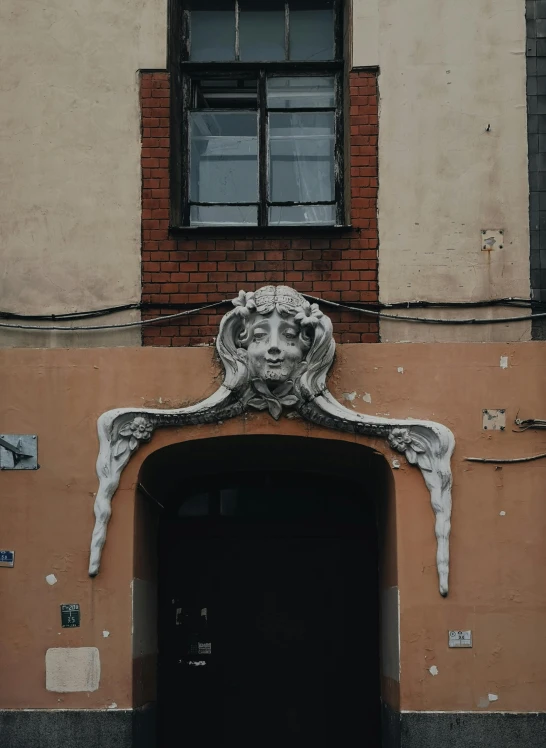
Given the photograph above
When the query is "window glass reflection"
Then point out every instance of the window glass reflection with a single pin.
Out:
(224, 157)
(261, 31)
(311, 30)
(296, 215)
(301, 92)
(301, 157)
(223, 215)
(212, 33)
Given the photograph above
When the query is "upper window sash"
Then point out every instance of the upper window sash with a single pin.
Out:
(233, 26)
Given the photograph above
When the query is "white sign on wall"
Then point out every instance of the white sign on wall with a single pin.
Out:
(460, 638)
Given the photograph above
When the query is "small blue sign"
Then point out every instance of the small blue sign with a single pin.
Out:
(7, 558)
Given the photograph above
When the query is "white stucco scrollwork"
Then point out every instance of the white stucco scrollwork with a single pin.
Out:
(277, 349)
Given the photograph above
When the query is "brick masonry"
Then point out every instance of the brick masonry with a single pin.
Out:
(183, 270)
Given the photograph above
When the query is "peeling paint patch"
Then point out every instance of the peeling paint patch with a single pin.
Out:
(400, 369)
(483, 703)
(113, 705)
(504, 362)
(51, 579)
(367, 397)
(106, 634)
(433, 670)
(492, 697)
(350, 396)
(396, 464)
(502, 514)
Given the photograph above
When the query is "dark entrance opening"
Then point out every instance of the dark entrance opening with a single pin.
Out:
(268, 603)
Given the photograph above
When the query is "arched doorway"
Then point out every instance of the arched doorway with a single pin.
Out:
(268, 560)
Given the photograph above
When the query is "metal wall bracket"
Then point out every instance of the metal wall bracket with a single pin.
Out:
(494, 419)
(492, 239)
(18, 452)
(530, 423)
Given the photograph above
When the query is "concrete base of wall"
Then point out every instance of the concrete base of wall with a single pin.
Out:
(128, 728)
(78, 728)
(462, 729)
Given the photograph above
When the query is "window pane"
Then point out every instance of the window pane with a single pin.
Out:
(224, 157)
(212, 32)
(261, 32)
(311, 30)
(223, 215)
(286, 215)
(301, 160)
(301, 92)
(225, 93)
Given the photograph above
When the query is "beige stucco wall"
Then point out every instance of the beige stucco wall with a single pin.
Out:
(448, 70)
(70, 174)
(70, 157)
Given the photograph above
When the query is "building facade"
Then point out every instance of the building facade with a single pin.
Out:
(287, 258)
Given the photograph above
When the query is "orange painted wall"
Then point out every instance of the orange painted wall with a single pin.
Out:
(498, 563)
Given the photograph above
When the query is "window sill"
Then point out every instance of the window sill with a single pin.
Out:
(258, 231)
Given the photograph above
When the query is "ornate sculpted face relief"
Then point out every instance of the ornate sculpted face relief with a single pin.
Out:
(277, 349)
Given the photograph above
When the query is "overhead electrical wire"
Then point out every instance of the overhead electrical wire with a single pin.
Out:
(428, 320)
(333, 304)
(66, 316)
(72, 315)
(121, 325)
(505, 460)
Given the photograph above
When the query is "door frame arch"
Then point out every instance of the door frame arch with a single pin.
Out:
(347, 462)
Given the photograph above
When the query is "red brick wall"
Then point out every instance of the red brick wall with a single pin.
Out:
(186, 271)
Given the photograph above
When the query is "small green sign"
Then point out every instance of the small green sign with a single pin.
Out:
(70, 616)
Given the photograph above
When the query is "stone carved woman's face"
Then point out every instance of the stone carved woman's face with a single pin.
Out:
(276, 348)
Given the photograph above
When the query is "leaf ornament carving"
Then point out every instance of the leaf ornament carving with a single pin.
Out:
(264, 399)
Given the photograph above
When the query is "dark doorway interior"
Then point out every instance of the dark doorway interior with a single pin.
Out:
(268, 619)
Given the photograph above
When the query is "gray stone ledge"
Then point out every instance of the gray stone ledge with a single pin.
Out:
(77, 728)
(463, 729)
(74, 728)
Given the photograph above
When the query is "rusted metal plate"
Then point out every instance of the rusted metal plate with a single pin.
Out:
(494, 419)
(492, 239)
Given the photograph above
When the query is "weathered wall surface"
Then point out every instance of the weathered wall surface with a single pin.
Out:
(452, 153)
(498, 569)
(70, 157)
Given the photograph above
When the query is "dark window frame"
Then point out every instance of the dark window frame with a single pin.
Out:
(183, 72)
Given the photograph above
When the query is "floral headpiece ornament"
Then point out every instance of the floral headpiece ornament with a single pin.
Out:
(308, 315)
(244, 303)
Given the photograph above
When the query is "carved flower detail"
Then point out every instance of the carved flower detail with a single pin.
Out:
(412, 445)
(264, 399)
(308, 314)
(400, 439)
(140, 429)
(244, 303)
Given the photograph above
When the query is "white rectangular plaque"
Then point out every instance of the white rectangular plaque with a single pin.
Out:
(460, 638)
